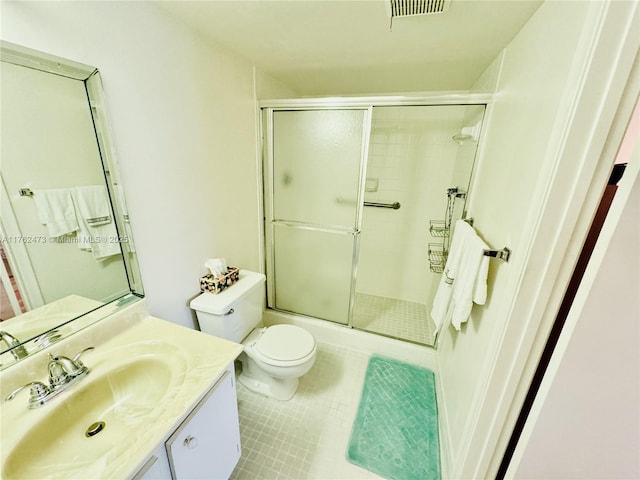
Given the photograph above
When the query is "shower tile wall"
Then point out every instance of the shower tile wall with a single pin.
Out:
(413, 158)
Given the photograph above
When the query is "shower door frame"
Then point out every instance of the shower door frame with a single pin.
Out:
(265, 109)
(266, 118)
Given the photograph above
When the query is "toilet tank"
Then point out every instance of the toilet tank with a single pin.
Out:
(234, 312)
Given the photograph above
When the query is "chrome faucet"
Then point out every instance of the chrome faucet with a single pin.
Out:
(63, 370)
(17, 349)
(63, 373)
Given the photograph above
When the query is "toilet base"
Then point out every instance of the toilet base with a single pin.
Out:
(257, 380)
(278, 388)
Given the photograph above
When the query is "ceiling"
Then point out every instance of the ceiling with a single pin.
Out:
(343, 47)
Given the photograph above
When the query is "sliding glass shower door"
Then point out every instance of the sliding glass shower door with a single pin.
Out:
(315, 169)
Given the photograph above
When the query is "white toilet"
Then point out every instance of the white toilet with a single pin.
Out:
(274, 357)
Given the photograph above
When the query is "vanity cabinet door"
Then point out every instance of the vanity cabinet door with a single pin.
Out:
(156, 468)
(207, 444)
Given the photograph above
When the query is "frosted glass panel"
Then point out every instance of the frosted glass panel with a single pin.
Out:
(316, 169)
(313, 272)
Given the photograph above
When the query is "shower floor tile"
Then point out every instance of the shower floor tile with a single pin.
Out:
(395, 318)
(307, 436)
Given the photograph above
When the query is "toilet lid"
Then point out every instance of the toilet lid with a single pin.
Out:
(285, 343)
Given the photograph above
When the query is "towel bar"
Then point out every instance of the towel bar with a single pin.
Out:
(503, 254)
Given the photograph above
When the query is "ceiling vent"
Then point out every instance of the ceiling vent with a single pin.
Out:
(408, 8)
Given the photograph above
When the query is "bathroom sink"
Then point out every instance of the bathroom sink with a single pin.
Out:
(145, 374)
(93, 419)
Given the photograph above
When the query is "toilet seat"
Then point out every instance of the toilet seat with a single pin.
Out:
(284, 345)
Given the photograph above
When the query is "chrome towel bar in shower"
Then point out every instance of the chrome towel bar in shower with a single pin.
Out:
(394, 205)
(503, 254)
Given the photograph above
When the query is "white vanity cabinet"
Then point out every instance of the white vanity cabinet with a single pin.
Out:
(156, 467)
(206, 445)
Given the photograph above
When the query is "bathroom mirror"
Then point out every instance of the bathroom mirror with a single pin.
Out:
(68, 257)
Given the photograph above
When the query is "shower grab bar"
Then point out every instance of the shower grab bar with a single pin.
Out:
(394, 205)
(503, 254)
(352, 203)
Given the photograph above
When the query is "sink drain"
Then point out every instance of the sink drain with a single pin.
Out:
(94, 429)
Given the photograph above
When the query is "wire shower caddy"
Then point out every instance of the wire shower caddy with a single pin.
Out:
(437, 250)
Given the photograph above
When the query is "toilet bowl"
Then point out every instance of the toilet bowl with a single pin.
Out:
(274, 357)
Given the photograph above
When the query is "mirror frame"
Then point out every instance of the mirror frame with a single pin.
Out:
(90, 76)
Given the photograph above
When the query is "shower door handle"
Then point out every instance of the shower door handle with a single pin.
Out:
(344, 230)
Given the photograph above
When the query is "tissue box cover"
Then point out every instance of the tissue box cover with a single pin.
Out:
(212, 284)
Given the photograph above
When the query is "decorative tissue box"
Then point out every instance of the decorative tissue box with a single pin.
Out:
(212, 284)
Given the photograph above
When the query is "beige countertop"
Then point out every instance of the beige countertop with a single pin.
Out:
(171, 367)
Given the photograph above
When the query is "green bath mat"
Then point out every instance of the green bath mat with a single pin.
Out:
(395, 433)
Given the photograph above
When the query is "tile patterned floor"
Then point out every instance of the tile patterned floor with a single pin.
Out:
(394, 318)
(305, 437)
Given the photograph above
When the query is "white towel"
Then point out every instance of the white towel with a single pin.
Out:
(480, 287)
(55, 210)
(468, 284)
(442, 300)
(464, 280)
(97, 233)
(92, 204)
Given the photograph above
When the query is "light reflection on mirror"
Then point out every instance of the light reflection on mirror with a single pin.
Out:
(67, 248)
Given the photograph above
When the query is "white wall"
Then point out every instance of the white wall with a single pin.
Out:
(268, 87)
(183, 118)
(587, 417)
(537, 84)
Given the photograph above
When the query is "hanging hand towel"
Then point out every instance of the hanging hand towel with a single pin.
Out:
(92, 204)
(471, 280)
(440, 309)
(55, 210)
(97, 232)
(480, 287)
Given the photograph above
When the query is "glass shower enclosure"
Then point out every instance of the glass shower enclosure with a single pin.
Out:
(314, 211)
(351, 198)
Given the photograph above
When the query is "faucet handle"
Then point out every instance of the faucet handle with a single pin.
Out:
(38, 391)
(15, 346)
(76, 359)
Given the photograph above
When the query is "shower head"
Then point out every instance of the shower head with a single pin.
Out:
(467, 133)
